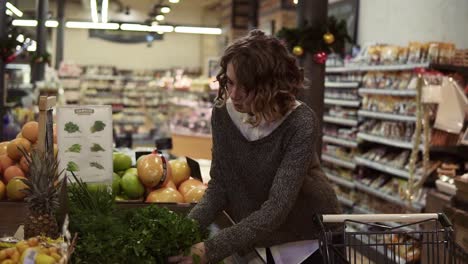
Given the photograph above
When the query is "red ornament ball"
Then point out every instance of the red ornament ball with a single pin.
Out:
(320, 57)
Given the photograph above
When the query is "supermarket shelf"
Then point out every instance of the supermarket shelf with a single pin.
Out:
(407, 92)
(340, 120)
(345, 201)
(103, 77)
(340, 162)
(386, 141)
(416, 207)
(357, 68)
(381, 167)
(350, 103)
(340, 141)
(386, 116)
(341, 84)
(339, 180)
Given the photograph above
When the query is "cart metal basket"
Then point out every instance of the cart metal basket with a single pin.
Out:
(389, 238)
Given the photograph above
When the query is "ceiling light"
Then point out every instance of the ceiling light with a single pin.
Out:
(8, 12)
(160, 17)
(91, 25)
(33, 46)
(20, 38)
(174, 1)
(13, 9)
(160, 32)
(295, 2)
(199, 30)
(140, 27)
(104, 10)
(94, 13)
(24, 23)
(165, 9)
(51, 23)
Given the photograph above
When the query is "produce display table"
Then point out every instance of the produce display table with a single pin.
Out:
(194, 146)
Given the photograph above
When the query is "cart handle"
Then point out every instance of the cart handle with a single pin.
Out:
(367, 218)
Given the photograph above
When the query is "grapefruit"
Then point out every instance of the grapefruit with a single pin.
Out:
(188, 185)
(3, 147)
(14, 189)
(2, 190)
(131, 186)
(13, 148)
(12, 172)
(195, 194)
(180, 171)
(121, 161)
(150, 170)
(20, 135)
(30, 131)
(165, 195)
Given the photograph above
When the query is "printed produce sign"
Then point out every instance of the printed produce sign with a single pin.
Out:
(85, 141)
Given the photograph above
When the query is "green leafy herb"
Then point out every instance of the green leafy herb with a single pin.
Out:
(96, 165)
(71, 127)
(98, 126)
(96, 148)
(139, 235)
(72, 166)
(74, 148)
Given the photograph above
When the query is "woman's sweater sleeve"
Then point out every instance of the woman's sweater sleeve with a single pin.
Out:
(282, 196)
(214, 200)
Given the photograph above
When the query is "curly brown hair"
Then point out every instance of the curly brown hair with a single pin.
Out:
(264, 67)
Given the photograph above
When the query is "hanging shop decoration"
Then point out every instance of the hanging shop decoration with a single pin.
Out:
(37, 58)
(318, 40)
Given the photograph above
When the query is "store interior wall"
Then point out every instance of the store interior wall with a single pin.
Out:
(401, 21)
(175, 50)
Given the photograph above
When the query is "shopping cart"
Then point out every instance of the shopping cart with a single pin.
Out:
(389, 238)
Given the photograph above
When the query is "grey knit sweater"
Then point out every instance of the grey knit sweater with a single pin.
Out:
(271, 187)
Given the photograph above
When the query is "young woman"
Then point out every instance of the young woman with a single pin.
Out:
(265, 172)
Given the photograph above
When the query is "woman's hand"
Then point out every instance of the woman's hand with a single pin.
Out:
(197, 249)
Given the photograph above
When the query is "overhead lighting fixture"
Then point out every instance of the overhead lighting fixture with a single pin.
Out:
(20, 38)
(104, 10)
(91, 25)
(8, 12)
(160, 17)
(94, 13)
(51, 23)
(14, 9)
(165, 9)
(24, 23)
(296, 1)
(146, 28)
(33, 46)
(198, 30)
(33, 23)
(174, 1)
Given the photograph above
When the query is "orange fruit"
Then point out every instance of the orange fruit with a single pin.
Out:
(2, 190)
(13, 148)
(14, 189)
(11, 172)
(5, 162)
(165, 195)
(23, 164)
(30, 131)
(188, 185)
(3, 147)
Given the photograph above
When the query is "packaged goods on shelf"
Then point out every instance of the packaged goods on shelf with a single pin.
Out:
(389, 104)
(342, 95)
(389, 129)
(340, 132)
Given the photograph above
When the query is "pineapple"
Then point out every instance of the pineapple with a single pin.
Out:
(42, 195)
